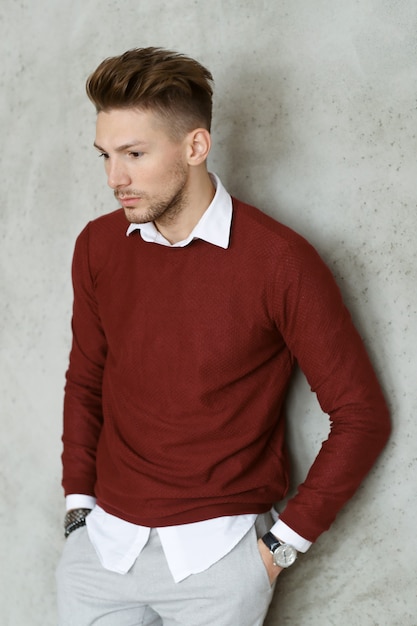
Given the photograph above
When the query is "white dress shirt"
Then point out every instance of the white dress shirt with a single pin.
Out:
(188, 548)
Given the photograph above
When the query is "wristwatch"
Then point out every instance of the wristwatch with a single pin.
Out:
(283, 554)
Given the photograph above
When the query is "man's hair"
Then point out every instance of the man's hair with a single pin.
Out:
(173, 86)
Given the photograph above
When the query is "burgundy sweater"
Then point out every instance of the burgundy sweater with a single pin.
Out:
(178, 372)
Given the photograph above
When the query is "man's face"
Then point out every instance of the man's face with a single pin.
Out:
(145, 167)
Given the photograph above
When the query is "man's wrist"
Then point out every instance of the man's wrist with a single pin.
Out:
(283, 554)
(75, 518)
(272, 569)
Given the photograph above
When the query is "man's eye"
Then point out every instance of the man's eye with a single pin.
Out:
(103, 155)
(136, 155)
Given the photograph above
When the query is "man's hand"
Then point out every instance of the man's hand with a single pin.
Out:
(272, 569)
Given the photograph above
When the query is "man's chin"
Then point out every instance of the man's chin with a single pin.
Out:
(136, 217)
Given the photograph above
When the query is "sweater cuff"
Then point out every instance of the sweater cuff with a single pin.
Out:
(287, 535)
(79, 501)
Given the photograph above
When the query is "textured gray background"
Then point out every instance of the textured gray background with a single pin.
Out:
(315, 122)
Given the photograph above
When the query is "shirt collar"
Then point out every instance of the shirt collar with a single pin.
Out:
(213, 227)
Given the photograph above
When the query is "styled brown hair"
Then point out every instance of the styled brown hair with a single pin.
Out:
(175, 87)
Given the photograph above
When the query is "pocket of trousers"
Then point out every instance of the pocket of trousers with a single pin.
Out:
(256, 560)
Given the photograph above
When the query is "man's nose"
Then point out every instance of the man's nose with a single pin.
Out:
(117, 175)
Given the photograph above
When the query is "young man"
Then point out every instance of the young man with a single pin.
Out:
(187, 324)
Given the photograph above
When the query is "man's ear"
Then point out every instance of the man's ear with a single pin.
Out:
(199, 144)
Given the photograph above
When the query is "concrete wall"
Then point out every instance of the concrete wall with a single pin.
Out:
(315, 122)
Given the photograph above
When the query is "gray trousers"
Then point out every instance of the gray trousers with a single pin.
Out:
(233, 591)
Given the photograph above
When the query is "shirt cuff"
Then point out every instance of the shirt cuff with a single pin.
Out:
(287, 535)
(79, 501)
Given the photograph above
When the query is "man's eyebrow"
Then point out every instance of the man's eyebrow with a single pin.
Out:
(125, 146)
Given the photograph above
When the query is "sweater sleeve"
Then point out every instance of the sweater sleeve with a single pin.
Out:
(82, 401)
(319, 332)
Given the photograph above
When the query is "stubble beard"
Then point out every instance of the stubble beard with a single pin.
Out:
(163, 210)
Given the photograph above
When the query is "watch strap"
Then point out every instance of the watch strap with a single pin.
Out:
(271, 542)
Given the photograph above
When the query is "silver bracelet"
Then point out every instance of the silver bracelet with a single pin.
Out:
(75, 519)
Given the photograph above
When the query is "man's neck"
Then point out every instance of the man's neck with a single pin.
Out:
(200, 193)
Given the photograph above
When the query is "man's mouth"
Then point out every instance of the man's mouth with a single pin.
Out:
(127, 200)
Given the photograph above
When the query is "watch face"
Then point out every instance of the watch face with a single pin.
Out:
(285, 555)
